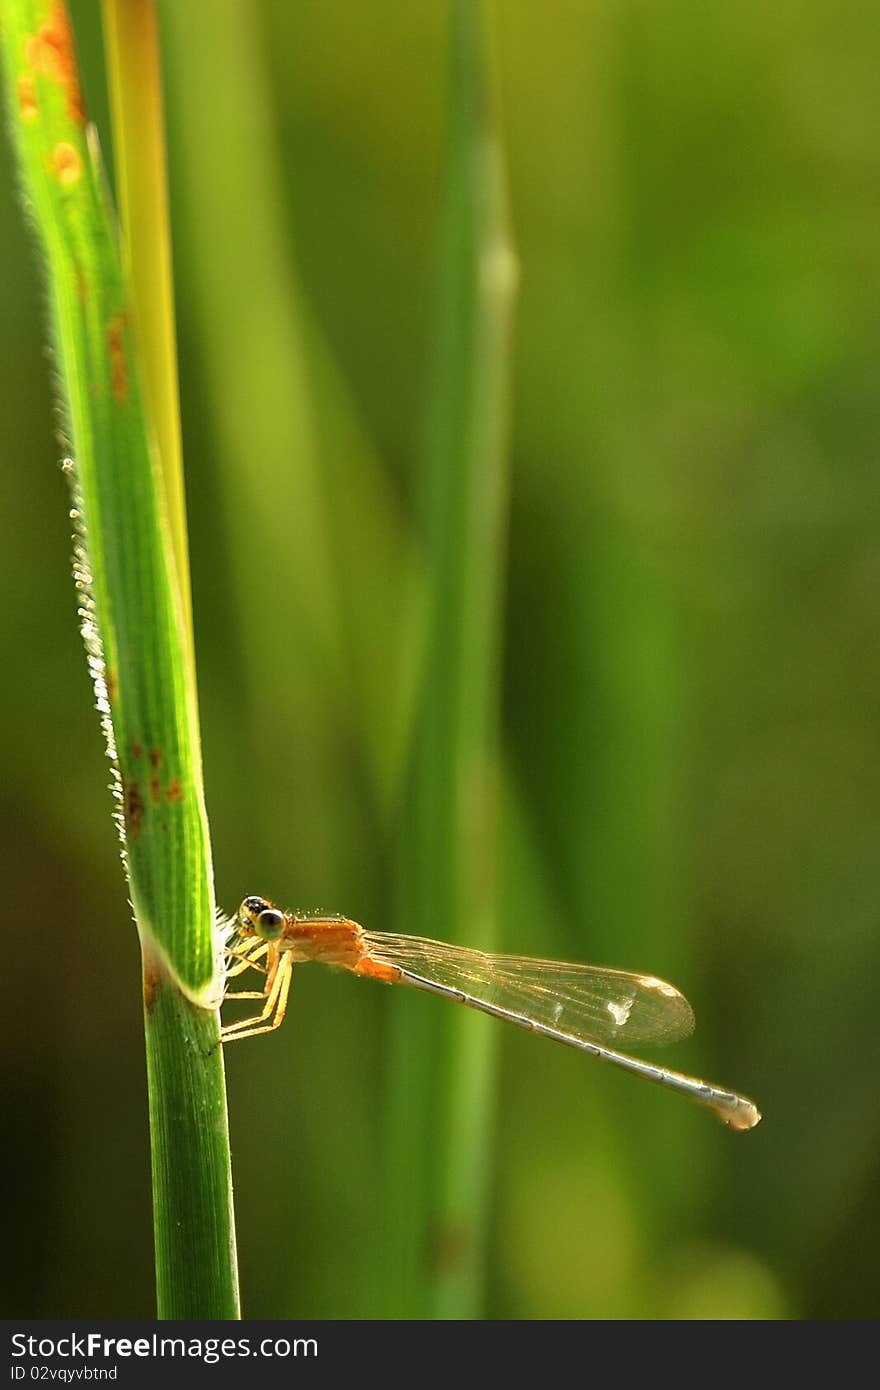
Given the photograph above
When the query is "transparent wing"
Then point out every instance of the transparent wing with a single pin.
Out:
(585, 1001)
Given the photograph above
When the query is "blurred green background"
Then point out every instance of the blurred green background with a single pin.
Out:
(692, 669)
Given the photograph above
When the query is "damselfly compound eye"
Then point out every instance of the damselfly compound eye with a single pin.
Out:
(249, 912)
(270, 923)
(252, 907)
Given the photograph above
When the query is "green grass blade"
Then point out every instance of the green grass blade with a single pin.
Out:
(450, 870)
(194, 1226)
(130, 606)
(134, 74)
(135, 631)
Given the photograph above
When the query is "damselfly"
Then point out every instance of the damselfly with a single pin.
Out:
(583, 1006)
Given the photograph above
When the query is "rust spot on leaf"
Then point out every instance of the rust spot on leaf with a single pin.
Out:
(175, 790)
(155, 791)
(449, 1248)
(50, 51)
(66, 164)
(136, 748)
(155, 757)
(118, 362)
(27, 99)
(151, 988)
(134, 808)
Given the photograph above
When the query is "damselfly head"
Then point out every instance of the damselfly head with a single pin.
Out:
(257, 917)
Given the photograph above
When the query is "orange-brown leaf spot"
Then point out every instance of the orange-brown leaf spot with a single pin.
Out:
(66, 164)
(27, 99)
(118, 363)
(175, 790)
(151, 988)
(449, 1247)
(50, 51)
(134, 808)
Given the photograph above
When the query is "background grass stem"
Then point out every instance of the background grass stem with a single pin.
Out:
(450, 871)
